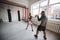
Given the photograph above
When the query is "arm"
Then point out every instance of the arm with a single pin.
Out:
(39, 18)
(46, 24)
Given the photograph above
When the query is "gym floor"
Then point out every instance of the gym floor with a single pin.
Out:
(17, 31)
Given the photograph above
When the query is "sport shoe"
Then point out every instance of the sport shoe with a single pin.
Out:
(26, 28)
(45, 38)
(35, 36)
(32, 29)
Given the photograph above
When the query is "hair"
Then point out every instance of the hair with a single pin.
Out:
(29, 13)
(43, 12)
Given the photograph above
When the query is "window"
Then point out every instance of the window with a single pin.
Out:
(35, 11)
(44, 3)
(54, 11)
(35, 8)
(36, 5)
(50, 10)
(57, 10)
(54, 1)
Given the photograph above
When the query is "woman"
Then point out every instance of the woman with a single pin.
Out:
(29, 21)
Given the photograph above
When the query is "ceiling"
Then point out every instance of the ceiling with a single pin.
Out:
(33, 1)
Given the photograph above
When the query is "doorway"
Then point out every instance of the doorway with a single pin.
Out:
(19, 15)
(9, 15)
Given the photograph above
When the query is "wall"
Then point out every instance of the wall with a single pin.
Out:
(14, 9)
(14, 14)
(3, 13)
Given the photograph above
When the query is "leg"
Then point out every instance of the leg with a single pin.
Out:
(37, 32)
(44, 34)
(32, 27)
(36, 36)
(27, 25)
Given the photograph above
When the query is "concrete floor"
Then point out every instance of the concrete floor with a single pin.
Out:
(17, 31)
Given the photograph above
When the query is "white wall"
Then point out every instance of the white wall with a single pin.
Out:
(14, 9)
(14, 14)
(3, 13)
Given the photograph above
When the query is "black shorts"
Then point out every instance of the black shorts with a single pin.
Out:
(41, 28)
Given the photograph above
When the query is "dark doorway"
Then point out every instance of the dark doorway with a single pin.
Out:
(9, 15)
(18, 15)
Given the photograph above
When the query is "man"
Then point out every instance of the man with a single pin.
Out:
(29, 21)
(42, 26)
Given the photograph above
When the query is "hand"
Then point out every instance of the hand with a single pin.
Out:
(36, 15)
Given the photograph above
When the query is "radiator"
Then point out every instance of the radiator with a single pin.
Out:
(53, 26)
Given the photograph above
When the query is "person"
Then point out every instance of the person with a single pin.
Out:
(42, 26)
(29, 21)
